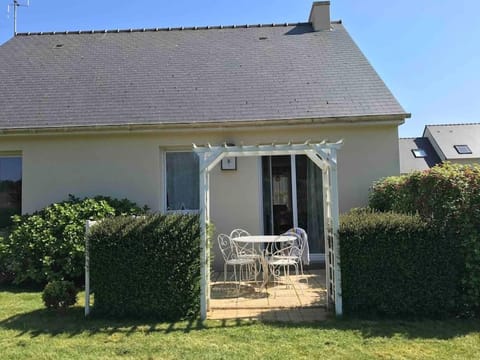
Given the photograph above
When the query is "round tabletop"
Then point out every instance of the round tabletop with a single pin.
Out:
(261, 239)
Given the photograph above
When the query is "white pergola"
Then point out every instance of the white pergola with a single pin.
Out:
(324, 155)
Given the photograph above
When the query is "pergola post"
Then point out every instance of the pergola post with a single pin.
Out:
(335, 224)
(326, 232)
(207, 161)
(88, 224)
(204, 267)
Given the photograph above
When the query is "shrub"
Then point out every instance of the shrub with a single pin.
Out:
(6, 275)
(59, 295)
(49, 244)
(123, 206)
(394, 265)
(448, 197)
(146, 267)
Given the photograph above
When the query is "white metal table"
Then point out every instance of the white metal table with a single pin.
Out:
(264, 239)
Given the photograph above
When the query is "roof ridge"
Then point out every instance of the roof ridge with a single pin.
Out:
(413, 137)
(458, 124)
(216, 27)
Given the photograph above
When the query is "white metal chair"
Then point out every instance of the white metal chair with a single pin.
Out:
(284, 258)
(246, 250)
(230, 257)
(303, 247)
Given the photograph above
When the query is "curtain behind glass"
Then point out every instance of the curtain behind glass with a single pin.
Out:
(10, 189)
(182, 181)
(267, 195)
(310, 202)
(315, 208)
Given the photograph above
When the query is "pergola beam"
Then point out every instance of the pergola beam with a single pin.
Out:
(234, 150)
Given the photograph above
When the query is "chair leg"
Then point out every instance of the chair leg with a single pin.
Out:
(296, 271)
(224, 273)
(303, 274)
(235, 272)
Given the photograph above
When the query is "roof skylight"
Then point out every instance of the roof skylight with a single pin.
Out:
(419, 153)
(462, 149)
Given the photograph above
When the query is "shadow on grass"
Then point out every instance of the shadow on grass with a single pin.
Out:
(384, 328)
(73, 323)
(17, 289)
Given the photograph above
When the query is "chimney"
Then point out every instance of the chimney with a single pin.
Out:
(320, 15)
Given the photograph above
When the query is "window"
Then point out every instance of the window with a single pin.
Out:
(462, 149)
(419, 153)
(10, 188)
(182, 181)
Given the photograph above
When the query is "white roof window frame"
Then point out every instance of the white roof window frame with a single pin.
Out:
(419, 153)
(463, 149)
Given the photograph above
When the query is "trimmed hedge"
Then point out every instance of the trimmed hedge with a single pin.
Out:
(146, 267)
(448, 197)
(394, 265)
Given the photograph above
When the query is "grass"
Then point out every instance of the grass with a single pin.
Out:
(29, 331)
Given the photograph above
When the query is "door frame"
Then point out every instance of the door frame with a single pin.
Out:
(314, 257)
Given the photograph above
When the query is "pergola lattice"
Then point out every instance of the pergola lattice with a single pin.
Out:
(324, 155)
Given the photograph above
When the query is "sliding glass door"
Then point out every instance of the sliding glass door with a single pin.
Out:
(293, 197)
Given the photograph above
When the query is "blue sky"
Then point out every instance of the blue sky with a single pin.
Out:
(427, 52)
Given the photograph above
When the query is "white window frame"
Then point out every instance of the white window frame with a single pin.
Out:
(15, 154)
(164, 167)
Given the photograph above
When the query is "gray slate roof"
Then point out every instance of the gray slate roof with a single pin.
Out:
(408, 162)
(445, 136)
(187, 76)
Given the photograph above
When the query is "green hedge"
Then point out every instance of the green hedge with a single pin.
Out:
(394, 265)
(146, 267)
(448, 197)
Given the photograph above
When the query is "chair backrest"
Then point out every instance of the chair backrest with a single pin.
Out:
(240, 248)
(289, 249)
(239, 233)
(302, 244)
(225, 245)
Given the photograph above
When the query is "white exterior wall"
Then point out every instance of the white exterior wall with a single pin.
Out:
(131, 166)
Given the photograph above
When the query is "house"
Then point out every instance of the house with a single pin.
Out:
(416, 154)
(456, 143)
(116, 112)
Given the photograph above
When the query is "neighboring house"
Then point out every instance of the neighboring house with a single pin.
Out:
(116, 113)
(457, 143)
(416, 154)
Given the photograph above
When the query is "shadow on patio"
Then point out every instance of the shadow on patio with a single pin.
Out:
(300, 301)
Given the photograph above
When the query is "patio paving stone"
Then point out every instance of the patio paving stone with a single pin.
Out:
(302, 302)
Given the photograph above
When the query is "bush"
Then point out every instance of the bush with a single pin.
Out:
(49, 244)
(123, 206)
(59, 295)
(448, 197)
(6, 275)
(394, 265)
(146, 267)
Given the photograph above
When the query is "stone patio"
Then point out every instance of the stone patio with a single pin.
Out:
(301, 299)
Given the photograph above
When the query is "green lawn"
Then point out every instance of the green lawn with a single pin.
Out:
(29, 331)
